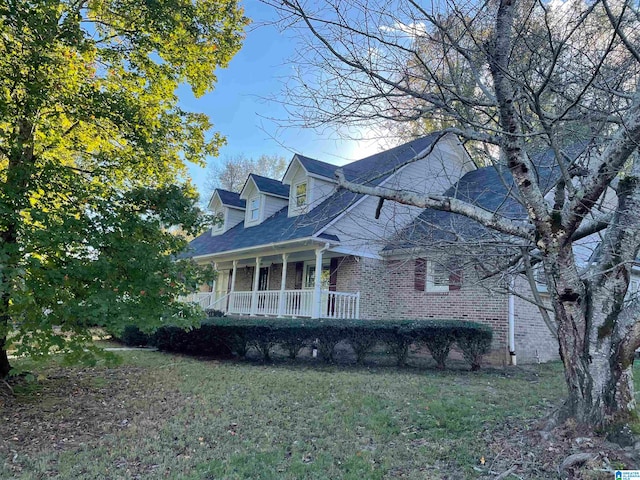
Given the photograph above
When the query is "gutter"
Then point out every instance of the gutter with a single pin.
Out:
(264, 246)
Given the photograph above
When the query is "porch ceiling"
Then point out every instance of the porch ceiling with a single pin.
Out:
(298, 250)
(266, 260)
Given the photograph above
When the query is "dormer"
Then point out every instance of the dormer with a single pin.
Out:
(311, 181)
(264, 197)
(228, 207)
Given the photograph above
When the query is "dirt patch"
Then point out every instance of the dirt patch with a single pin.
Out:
(529, 451)
(67, 408)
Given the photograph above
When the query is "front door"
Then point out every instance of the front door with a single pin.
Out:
(263, 284)
(263, 279)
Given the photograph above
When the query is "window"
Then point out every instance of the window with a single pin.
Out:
(310, 276)
(301, 195)
(432, 276)
(254, 208)
(218, 222)
(437, 277)
(540, 278)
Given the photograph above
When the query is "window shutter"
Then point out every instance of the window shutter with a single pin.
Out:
(420, 274)
(455, 277)
(298, 277)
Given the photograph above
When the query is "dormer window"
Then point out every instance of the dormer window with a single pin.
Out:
(218, 223)
(254, 208)
(301, 194)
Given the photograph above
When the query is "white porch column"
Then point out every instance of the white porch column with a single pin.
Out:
(214, 283)
(232, 297)
(233, 276)
(283, 284)
(254, 291)
(317, 294)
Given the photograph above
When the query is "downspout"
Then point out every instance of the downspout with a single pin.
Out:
(512, 324)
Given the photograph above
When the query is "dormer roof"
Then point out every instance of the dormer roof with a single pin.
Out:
(313, 167)
(227, 199)
(265, 185)
(231, 199)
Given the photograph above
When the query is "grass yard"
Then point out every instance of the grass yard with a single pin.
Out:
(166, 416)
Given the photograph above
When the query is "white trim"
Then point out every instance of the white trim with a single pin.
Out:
(429, 285)
(541, 286)
(250, 210)
(305, 203)
(322, 177)
(263, 246)
(228, 205)
(285, 180)
(235, 207)
(269, 194)
(326, 262)
(355, 253)
(215, 193)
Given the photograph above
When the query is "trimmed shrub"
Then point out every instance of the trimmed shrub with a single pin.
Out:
(205, 340)
(475, 343)
(398, 344)
(223, 336)
(439, 345)
(131, 336)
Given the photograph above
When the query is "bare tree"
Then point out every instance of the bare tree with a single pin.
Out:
(233, 171)
(515, 77)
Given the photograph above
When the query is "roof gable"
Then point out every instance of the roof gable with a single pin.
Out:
(227, 199)
(231, 199)
(491, 188)
(375, 168)
(265, 185)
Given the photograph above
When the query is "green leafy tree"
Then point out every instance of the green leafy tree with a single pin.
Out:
(93, 148)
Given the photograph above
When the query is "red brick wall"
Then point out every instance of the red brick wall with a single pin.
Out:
(534, 341)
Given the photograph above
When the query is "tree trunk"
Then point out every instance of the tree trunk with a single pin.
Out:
(5, 366)
(597, 356)
(601, 391)
(18, 175)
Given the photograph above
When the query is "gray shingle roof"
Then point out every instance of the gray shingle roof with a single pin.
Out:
(318, 167)
(491, 188)
(374, 169)
(269, 185)
(231, 199)
(279, 227)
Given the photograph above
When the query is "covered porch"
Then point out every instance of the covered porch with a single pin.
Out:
(294, 283)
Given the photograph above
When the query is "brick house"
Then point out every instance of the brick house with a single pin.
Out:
(301, 247)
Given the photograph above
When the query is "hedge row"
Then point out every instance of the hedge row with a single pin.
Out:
(226, 336)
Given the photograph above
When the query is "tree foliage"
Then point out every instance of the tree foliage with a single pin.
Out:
(93, 146)
(234, 171)
(515, 77)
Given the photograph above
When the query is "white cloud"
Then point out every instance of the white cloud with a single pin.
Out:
(411, 30)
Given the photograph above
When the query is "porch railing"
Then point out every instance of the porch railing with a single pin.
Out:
(289, 303)
(340, 305)
(240, 303)
(297, 303)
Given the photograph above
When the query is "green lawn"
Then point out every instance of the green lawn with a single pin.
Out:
(164, 416)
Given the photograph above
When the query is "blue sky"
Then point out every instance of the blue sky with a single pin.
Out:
(239, 110)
